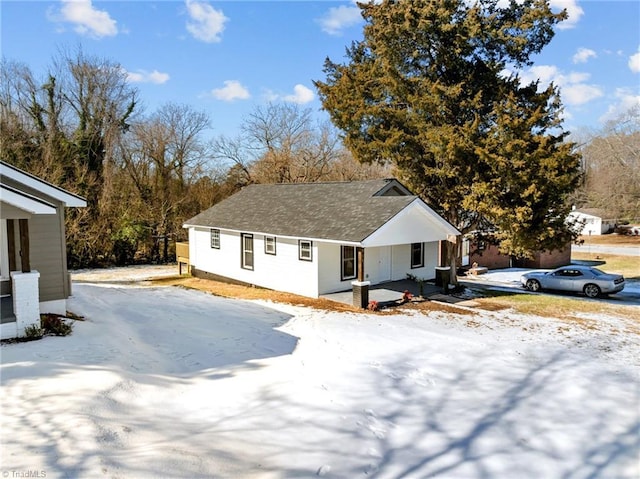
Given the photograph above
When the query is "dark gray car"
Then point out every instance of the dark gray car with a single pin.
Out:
(574, 278)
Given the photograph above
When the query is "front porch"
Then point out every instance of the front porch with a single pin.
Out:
(388, 292)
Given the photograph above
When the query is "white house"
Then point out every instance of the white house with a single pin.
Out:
(33, 256)
(593, 221)
(317, 238)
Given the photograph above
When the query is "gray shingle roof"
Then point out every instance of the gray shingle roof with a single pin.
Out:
(598, 212)
(343, 211)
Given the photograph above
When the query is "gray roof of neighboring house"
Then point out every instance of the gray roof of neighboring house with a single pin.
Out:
(597, 212)
(345, 211)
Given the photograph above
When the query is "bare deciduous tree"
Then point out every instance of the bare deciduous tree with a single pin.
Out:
(611, 162)
(280, 143)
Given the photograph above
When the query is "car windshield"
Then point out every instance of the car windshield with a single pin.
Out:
(597, 272)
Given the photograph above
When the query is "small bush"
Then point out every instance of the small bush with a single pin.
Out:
(54, 324)
(32, 333)
(373, 306)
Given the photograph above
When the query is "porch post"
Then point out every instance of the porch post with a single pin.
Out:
(360, 287)
(26, 300)
(11, 244)
(24, 246)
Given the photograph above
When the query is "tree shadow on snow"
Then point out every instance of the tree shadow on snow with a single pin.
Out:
(548, 417)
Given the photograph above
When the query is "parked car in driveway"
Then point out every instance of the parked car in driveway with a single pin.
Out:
(574, 278)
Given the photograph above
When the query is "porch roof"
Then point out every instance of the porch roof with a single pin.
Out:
(21, 180)
(26, 202)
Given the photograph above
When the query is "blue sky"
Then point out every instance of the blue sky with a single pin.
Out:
(228, 57)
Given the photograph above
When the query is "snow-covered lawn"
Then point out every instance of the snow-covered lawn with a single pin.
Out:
(168, 382)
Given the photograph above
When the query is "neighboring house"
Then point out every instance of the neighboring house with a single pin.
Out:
(477, 248)
(316, 238)
(487, 254)
(33, 257)
(594, 221)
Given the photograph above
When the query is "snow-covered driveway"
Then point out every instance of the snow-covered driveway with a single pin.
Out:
(166, 382)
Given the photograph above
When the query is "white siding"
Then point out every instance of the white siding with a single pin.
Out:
(282, 271)
(417, 222)
(401, 255)
(330, 269)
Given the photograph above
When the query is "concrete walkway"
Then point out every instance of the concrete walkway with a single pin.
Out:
(388, 292)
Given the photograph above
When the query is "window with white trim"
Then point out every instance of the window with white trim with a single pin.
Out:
(246, 241)
(417, 255)
(305, 250)
(270, 245)
(349, 261)
(215, 239)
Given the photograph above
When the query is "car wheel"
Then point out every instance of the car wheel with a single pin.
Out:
(533, 285)
(591, 290)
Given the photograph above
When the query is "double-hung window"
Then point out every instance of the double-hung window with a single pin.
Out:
(246, 240)
(417, 255)
(270, 245)
(305, 250)
(215, 239)
(349, 262)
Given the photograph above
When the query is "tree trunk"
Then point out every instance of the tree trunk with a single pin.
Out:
(451, 259)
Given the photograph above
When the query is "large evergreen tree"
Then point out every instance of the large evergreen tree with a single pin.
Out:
(429, 89)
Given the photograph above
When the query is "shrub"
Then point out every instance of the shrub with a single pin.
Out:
(373, 305)
(54, 324)
(32, 333)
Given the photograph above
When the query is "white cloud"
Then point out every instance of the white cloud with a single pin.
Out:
(545, 73)
(339, 18)
(580, 93)
(634, 62)
(573, 86)
(574, 12)
(86, 19)
(206, 23)
(583, 55)
(232, 90)
(143, 76)
(625, 101)
(301, 95)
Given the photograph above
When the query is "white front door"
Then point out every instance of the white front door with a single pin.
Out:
(384, 264)
(465, 252)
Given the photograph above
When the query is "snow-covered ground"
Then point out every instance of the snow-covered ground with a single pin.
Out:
(168, 382)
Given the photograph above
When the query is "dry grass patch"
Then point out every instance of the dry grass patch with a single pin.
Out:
(236, 291)
(433, 306)
(628, 266)
(555, 306)
(611, 239)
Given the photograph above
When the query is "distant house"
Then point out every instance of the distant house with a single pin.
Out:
(33, 259)
(594, 221)
(317, 238)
